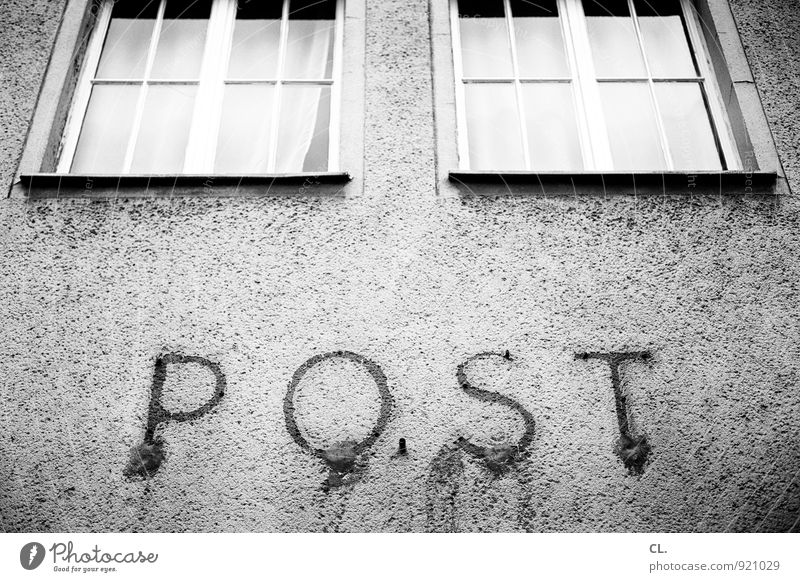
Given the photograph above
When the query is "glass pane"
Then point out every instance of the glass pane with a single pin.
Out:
(607, 7)
(309, 48)
(667, 46)
(312, 9)
(245, 130)
(106, 129)
(485, 48)
(493, 127)
(658, 7)
(256, 38)
(124, 53)
(688, 126)
(632, 127)
(552, 127)
(615, 48)
(540, 44)
(303, 136)
(161, 145)
(183, 37)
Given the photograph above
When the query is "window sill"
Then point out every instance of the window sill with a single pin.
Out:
(47, 185)
(638, 183)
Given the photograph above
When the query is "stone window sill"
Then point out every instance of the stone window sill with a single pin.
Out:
(49, 185)
(615, 183)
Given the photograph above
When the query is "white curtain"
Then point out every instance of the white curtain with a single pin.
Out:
(307, 58)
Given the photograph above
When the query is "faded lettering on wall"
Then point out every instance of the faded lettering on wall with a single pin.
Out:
(347, 461)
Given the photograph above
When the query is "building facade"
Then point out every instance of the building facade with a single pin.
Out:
(400, 341)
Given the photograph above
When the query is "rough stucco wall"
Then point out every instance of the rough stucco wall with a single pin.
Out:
(93, 292)
(769, 33)
(26, 33)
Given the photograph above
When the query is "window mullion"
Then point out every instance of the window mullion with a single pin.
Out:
(719, 118)
(137, 119)
(276, 104)
(201, 148)
(461, 101)
(578, 96)
(592, 113)
(85, 86)
(662, 134)
(512, 38)
(336, 90)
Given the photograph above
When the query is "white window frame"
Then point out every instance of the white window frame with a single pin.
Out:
(592, 130)
(201, 146)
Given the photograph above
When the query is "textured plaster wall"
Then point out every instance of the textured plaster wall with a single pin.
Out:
(416, 278)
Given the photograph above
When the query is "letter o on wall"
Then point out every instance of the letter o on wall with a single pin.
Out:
(374, 371)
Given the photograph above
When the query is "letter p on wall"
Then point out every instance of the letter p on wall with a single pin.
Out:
(147, 457)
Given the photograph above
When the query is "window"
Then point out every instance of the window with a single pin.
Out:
(587, 86)
(208, 86)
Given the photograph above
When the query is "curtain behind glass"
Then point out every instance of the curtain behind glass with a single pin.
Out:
(308, 57)
(303, 123)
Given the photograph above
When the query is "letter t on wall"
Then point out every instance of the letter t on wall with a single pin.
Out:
(632, 449)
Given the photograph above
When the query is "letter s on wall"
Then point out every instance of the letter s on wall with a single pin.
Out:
(497, 459)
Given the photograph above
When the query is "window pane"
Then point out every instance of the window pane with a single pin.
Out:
(183, 36)
(540, 44)
(667, 46)
(688, 126)
(161, 145)
(304, 126)
(256, 37)
(124, 53)
(485, 48)
(245, 130)
(309, 49)
(312, 9)
(658, 7)
(607, 7)
(106, 129)
(615, 48)
(493, 127)
(632, 127)
(552, 127)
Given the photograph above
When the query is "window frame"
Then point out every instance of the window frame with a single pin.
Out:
(199, 157)
(593, 135)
